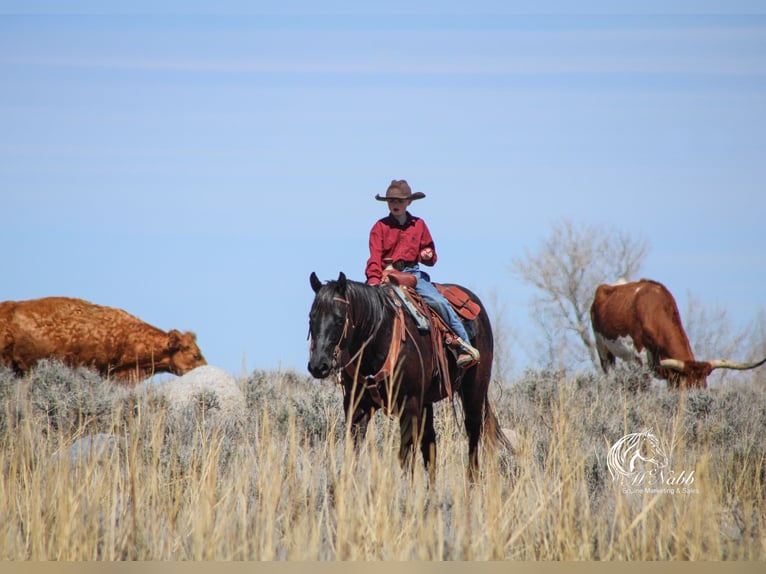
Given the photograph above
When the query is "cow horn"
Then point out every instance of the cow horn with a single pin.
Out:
(674, 364)
(722, 364)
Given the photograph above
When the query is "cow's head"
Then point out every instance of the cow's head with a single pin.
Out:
(687, 374)
(684, 374)
(183, 352)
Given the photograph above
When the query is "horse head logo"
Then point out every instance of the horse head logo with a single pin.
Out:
(634, 454)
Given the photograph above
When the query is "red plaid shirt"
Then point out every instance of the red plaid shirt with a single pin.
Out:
(391, 241)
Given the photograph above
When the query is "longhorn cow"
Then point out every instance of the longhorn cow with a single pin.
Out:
(645, 314)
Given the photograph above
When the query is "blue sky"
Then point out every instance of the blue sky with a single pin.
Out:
(193, 163)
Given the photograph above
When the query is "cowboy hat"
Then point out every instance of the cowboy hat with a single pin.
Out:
(400, 189)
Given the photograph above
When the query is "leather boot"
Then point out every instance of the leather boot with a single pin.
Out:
(467, 355)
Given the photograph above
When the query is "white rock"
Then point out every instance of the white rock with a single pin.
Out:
(182, 391)
(98, 447)
(513, 438)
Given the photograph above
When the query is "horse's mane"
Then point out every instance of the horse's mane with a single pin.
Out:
(368, 305)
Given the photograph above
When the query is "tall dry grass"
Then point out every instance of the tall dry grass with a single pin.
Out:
(285, 484)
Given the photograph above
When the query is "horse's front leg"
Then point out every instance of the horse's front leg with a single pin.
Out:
(358, 413)
(416, 425)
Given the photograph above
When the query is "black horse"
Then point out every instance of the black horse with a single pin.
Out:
(352, 326)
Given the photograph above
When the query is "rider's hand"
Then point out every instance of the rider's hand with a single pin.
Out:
(426, 255)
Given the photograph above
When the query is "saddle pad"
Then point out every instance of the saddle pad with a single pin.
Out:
(460, 300)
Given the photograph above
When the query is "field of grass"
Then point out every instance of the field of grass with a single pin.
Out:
(285, 483)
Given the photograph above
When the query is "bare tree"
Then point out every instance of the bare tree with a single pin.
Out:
(503, 335)
(565, 270)
(713, 336)
(757, 344)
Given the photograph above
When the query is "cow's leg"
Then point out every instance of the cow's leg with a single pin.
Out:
(605, 356)
(607, 360)
(651, 364)
(620, 348)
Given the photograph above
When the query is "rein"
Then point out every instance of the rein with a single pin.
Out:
(344, 335)
(342, 365)
(398, 336)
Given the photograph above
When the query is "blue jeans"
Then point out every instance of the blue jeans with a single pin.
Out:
(436, 301)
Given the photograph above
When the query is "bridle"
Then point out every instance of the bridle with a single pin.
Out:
(344, 335)
(341, 365)
(343, 338)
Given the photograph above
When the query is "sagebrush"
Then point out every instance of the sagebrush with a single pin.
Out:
(285, 483)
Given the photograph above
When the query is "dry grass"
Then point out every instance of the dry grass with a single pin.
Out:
(285, 485)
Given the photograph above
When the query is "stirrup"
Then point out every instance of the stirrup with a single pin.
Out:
(465, 361)
(466, 355)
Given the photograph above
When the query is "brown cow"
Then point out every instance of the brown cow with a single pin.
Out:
(645, 313)
(79, 333)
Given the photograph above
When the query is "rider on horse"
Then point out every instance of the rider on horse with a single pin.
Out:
(402, 241)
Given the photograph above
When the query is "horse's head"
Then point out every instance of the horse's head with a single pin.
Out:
(327, 323)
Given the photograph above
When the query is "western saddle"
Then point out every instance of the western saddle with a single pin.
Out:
(404, 296)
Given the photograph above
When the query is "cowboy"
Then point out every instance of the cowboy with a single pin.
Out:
(402, 241)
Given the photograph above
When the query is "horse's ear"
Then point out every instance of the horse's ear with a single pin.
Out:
(316, 284)
(342, 282)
